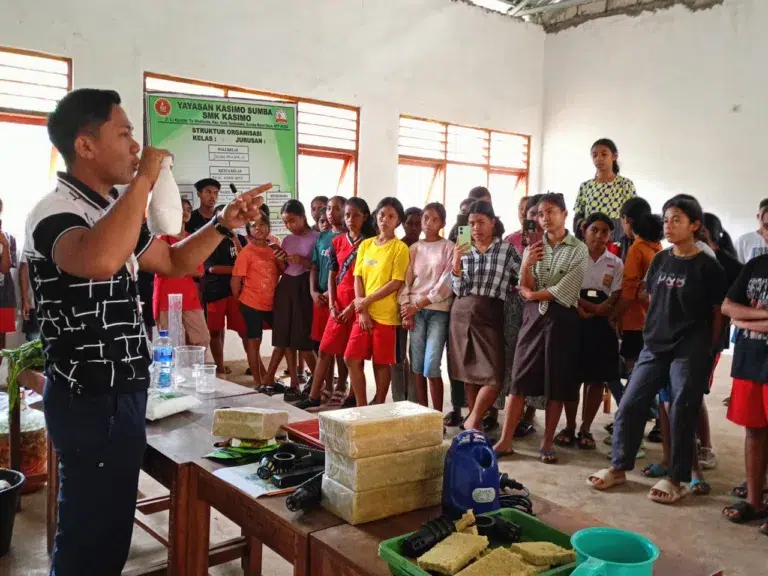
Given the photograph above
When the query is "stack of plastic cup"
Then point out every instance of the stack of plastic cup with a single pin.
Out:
(205, 378)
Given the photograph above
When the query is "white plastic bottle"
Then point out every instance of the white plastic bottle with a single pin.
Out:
(162, 365)
(164, 212)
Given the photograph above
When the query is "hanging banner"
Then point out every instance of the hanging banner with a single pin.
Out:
(235, 141)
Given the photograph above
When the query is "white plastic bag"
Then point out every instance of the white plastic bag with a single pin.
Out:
(161, 404)
(164, 212)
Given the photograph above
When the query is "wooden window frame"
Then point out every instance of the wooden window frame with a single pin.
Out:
(19, 115)
(350, 157)
(442, 164)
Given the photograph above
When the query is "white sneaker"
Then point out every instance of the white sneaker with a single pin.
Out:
(707, 458)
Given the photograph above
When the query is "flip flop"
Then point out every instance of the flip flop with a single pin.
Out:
(740, 491)
(566, 438)
(325, 396)
(585, 441)
(523, 429)
(609, 480)
(673, 493)
(548, 456)
(502, 454)
(265, 390)
(699, 487)
(337, 398)
(655, 471)
(745, 512)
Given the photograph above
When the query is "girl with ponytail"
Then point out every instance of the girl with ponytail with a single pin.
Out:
(607, 191)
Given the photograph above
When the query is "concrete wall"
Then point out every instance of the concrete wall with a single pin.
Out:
(681, 93)
(430, 58)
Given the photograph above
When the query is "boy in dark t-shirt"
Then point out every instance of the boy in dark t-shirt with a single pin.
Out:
(747, 305)
(683, 326)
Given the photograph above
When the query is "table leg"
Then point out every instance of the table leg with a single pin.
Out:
(199, 523)
(179, 522)
(300, 556)
(253, 556)
(51, 496)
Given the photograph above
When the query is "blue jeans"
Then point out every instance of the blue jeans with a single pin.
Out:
(688, 376)
(100, 442)
(428, 338)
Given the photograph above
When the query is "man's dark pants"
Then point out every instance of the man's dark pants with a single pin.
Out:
(100, 442)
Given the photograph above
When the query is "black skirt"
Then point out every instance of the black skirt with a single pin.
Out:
(599, 351)
(292, 313)
(476, 341)
(546, 358)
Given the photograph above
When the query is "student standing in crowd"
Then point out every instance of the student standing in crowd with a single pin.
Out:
(322, 222)
(292, 330)
(513, 319)
(254, 280)
(516, 238)
(747, 305)
(208, 193)
(379, 273)
(481, 273)
(458, 398)
(402, 380)
(223, 309)
(83, 249)
(341, 297)
(645, 231)
(599, 346)
(607, 191)
(192, 317)
(683, 325)
(316, 208)
(425, 304)
(318, 288)
(754, 244)
(546, 359)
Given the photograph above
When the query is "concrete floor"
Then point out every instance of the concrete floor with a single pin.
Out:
(694, 528)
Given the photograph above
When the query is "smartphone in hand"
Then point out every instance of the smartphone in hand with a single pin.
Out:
(464, 236)
(531, 233)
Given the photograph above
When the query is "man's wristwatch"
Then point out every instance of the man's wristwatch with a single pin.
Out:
(221, 229)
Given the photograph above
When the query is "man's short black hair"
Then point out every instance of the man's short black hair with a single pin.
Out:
(763, 205)
(479, 192)
(200, 184)
(85, 109)
(598, 217)
(413, 210)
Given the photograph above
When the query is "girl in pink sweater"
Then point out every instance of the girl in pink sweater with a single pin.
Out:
(425, 304)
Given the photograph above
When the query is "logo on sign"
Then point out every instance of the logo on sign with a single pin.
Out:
(162, 107)
(280, 116)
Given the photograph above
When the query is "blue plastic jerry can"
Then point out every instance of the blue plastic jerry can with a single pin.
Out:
(471, 475)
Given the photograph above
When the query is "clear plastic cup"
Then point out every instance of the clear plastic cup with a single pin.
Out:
(184, 360)
(205, 378)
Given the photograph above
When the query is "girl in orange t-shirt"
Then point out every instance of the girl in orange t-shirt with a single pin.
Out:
(254, 278)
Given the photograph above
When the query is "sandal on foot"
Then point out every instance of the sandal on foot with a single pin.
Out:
(699, 487)
(278, 387)
(325, 396)
(337, 399)
(452, 419)
(566, 438)
(670, 493)
(607, 478)
(503, 453)
(524, 429)
(349, 402)
(655, 435)
(293, 395)
(308, 403)
(490, 423)
(585, 441)
(655, 471)
(745, 512)
(707, 458)
(608, 428)
(548, 456)
(263, 389)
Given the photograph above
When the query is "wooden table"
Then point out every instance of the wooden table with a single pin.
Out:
(265, 521)
(347, 550)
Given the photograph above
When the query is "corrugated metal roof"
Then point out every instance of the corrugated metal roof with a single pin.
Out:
(526, 8)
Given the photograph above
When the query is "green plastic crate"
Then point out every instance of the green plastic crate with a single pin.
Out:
(532, 531)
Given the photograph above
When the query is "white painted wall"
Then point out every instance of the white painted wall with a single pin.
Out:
(664, 87)
(430, 58)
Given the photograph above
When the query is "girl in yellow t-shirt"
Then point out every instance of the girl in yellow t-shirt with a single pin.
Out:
(380, 270)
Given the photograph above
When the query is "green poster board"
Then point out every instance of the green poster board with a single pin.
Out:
(240, 142)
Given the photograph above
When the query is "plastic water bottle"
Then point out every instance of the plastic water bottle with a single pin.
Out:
(162, 355)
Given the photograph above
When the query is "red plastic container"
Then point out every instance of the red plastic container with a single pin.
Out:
(306, 432)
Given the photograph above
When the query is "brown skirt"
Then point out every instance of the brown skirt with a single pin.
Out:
(546, 358)
(476, 341)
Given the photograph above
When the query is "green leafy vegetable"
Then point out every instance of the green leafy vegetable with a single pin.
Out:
(27, 356)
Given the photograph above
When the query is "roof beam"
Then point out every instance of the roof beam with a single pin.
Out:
(550, 7)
